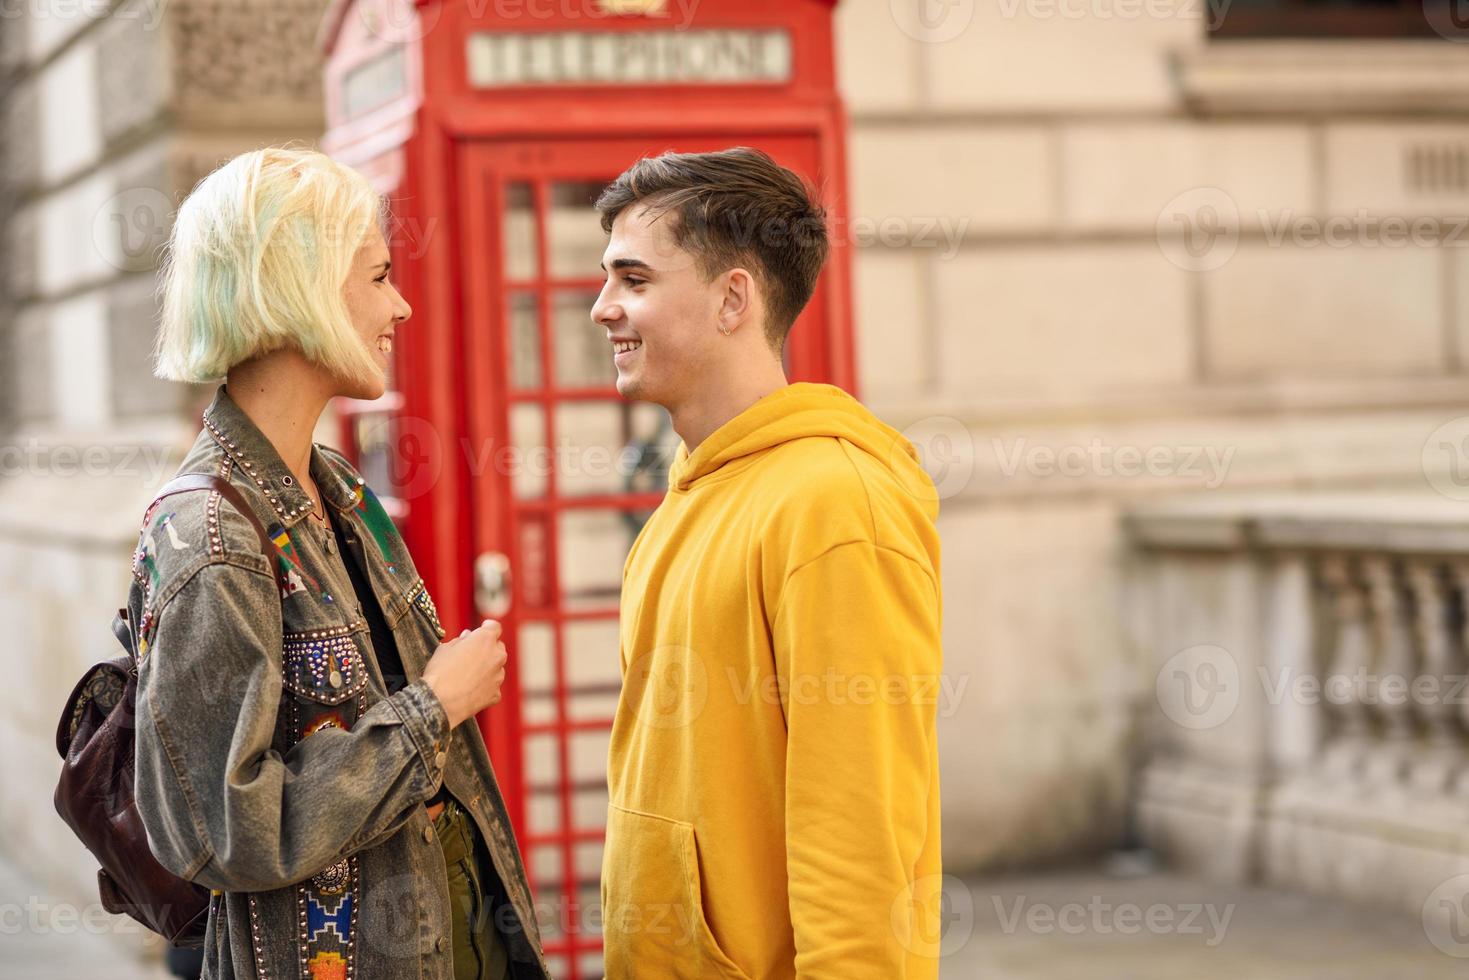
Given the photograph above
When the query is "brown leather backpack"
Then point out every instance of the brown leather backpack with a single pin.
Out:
(96, 738)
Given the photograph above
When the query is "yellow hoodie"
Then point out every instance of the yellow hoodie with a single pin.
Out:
(774, 766)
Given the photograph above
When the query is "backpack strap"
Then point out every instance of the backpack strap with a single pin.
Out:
(204, 481)
(122, 625)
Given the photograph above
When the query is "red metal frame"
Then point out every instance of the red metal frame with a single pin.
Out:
(445, 153)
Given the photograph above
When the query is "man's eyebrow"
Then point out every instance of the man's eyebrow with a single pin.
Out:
(621, 264)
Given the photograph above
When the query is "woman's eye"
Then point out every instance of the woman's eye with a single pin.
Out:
(382, 278)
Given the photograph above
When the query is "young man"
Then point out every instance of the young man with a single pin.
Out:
(774, 766)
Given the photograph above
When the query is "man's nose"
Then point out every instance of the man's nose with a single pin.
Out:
(604, 311)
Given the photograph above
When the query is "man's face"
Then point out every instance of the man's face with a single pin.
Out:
(660, 314)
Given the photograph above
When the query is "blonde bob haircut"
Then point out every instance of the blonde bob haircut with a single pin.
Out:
(257, 260)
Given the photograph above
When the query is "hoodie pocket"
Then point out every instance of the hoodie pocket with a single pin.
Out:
(653, 913)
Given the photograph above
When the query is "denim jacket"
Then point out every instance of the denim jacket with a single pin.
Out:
(272, 765)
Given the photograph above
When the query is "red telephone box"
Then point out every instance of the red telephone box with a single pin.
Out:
(518, 473)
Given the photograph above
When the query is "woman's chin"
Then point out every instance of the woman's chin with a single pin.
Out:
(363, 390)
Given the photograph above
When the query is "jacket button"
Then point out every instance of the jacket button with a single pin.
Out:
(440, 759)
(428, 834)
(442, 945)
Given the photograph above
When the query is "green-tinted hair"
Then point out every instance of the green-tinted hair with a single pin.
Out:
(257, 259)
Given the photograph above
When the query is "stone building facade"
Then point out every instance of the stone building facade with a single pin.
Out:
(1103, 259)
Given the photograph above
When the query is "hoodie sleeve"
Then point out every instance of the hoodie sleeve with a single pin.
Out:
(857, 645)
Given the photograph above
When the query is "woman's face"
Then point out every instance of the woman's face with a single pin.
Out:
(376, 309)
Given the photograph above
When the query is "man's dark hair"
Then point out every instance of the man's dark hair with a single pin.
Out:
(734, 207)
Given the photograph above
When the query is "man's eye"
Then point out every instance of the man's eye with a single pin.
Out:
(633, 280)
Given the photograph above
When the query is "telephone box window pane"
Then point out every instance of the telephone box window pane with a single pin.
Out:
(576, 237)
(613, 447)
(588, 757)
(521, 256)
(546, 864)
(528, 461)
(535, 657)
(535, 570)
(589, 807)
(590, 437)
(593, 544)
(543, 813)
(525, 342)
(651, 449)
(594, 675)
(542, 763)
(583, 355)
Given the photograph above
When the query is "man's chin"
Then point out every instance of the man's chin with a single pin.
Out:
(630, 388)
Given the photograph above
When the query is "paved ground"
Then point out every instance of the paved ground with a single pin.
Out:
(41, 939)
(1081, 926)
(1070, 925)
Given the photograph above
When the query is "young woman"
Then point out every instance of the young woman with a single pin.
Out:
(306, 745)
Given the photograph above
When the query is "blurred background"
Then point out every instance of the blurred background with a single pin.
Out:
(1172, 296)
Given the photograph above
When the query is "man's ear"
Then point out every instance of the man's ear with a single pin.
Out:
(737, 306)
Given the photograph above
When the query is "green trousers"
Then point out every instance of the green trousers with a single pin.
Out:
(479, 952)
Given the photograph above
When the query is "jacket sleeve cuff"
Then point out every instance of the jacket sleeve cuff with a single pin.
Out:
(428, 725)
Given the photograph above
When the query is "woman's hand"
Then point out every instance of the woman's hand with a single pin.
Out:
(466, 673)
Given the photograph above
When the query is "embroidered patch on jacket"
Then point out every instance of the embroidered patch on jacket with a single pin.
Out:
(294, 576)
(377, 522)
(330, 720)
(328, 919)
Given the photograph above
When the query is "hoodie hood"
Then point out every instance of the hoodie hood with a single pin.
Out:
(802, 411)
